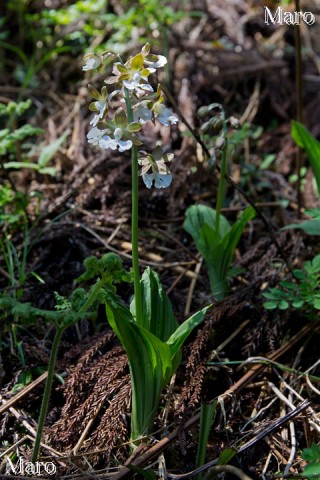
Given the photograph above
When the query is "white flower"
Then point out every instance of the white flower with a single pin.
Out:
(160, 176)
(108, 142)
(141, 113)
(164, 114)
(133, 82)
(93, 61)
(101, 106)
(94, 135)
(161, 180)
(155, 61)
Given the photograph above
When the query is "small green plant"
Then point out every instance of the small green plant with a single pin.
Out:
(311, 226)
(304, 139)
(154, 348)
(15, 152)
(215, 239)
(82, 304)
(148, 331)
(12, 136)
(304, 293)
(216, 246)
(207, 414)
(312, 457)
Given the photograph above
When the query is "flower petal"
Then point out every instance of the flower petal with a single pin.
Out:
(95, 134)
(162, 180)
(131, 84)
(94, 122)
(141, 114)
(165, 115)
(148, 179)
(155, 61)
(107, 142)
(124, 145)
(93, 61)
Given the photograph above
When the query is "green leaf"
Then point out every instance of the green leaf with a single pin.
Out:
(52, 171)
(142, 473)
(199, 215)
(225, 456)
(223, 253)
(283, 305)
(316, 304)
(217, 248)
(183, 331)
(313, 212)
(157, 314)
(33, 166)
(316, 264)
(311, 454)
(268, 295)
(150, 365)
(270, 305)
(312, 471)
(298, 303)
(311, 227)
(277, 293)
(299, 274)
(306, 140)
(288, 285)
(207, 413)
(151, 360)
(48, 152)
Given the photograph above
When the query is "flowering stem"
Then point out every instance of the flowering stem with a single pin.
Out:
(221, 188)
(134, 220)
(222, 180)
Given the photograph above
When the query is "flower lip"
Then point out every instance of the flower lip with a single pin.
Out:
(160, 180)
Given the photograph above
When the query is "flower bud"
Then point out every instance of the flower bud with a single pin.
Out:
(220, 143)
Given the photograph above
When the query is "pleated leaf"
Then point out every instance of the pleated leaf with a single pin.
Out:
(152, 361)
(157, 314)
(217, 248)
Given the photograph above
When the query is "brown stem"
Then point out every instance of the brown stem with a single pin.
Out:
(299, 100)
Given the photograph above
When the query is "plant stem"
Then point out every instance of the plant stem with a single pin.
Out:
(221, 187)
(52, 363)
(46, 394)
(298, 61)
(134, 219)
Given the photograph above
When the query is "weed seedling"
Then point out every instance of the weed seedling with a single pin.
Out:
(304, 293)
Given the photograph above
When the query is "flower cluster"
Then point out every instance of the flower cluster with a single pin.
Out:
(143, 104)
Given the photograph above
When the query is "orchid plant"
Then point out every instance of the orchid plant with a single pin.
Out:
(148, 331)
